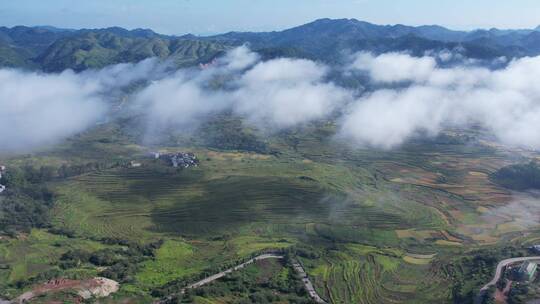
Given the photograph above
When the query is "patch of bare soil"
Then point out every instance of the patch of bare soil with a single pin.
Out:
(86, 289)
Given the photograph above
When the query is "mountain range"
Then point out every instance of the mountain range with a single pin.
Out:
(53, 49)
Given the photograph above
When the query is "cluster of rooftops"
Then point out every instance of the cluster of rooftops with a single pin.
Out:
(525, 271)
(176, 160)
(179, 159)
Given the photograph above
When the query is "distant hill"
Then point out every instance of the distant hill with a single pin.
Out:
(96, 49)
(13, 57)
(326, 37)
(33, 39)
(20, 44)
(54, 49)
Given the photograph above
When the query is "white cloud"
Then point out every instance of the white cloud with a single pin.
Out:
(395, 67)
(387, 118)
(278, 93)
(38, 109)
(178, 101)
(119, 75)
(505, 101)
(240, 58)
(285, 92)
(423, 98)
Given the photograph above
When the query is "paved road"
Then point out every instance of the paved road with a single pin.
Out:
(307, 283)
(297, 266)
(505, 263)
(223, 273)
(230, 270)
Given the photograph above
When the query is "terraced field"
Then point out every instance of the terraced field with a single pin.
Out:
(109, 203)
(365, 274)
(382, 225)
(262, 203)
(186, 203)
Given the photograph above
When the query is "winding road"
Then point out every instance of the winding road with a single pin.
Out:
(307, 283)
(297, 267)
(230, 270)
(505, 263)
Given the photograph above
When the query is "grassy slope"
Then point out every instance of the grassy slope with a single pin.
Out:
(36, 253)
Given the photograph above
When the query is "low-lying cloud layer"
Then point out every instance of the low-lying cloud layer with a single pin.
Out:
(277, 93)
(505, 101)
(284, 92)
(420, 97)
(38, 109)
(415, 96)
(523, 210)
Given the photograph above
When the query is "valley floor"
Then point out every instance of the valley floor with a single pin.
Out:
(369, 227)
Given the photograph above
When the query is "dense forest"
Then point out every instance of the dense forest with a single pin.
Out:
(519, 177)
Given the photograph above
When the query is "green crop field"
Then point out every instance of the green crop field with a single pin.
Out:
(384, 226)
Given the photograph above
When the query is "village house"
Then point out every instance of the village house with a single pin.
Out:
(134, 164)
(178, 160)
(527, 271)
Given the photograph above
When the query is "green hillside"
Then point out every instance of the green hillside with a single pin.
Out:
(53, 49)
(394, 226)
(97, 50)
(13, 57)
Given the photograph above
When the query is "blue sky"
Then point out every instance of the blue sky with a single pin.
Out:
(216, 16)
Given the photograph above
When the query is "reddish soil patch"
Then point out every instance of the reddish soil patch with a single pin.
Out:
(58, 285)
(501, 296)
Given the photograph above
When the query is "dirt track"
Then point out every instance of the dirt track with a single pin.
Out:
(96, 287)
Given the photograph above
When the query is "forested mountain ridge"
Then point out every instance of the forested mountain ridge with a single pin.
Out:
(325, 36)
(98, 49)
(53, 49)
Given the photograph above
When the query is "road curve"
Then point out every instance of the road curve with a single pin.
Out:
(307, 283)
(297, 267)
(505, 263)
